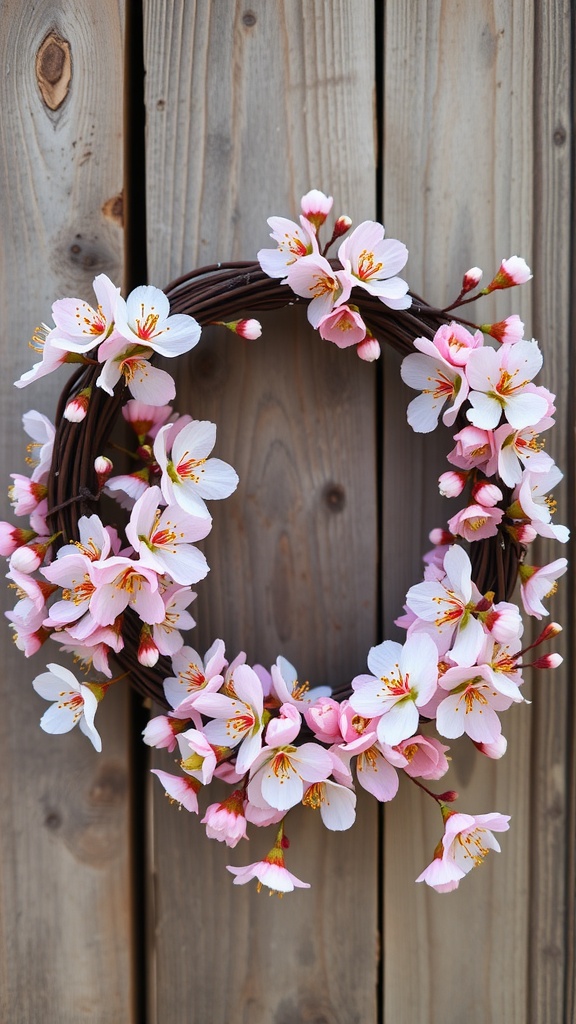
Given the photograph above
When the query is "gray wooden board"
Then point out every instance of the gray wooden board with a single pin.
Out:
(247, 110)
(65, 931)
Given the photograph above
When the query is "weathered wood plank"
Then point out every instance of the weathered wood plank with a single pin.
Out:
(65, 932)
(552, 902)
(248, 109)
(458, 188)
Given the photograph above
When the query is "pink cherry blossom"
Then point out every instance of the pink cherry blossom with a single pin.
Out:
(450, 604)
(179, 789)
(197, 756)
(236, 721)
(507, 332)
(426, 757)
(476, 522)
(537, 582)
(188, 475)
(271, 872)
(278, 775)
(289, 690)
(294, 242)
(466, 842)
(166, 634)
(144, 320)
(226, 821)
(440, 382)
(404, 679)
(475, 449)
(471, 705)
(343, 326)
(81, 328)
(521, 448)
(147, 383)
(52, 357)
(194, 675)
(161, 538)
(336, 803)
(373, 262)
(313, 278)
(120, 582)
(453, 342)
(74, 703)
(500, 382)
(369, 350)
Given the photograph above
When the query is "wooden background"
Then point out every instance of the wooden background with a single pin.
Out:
(452, 122)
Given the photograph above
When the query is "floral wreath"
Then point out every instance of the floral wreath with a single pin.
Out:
(275, 741)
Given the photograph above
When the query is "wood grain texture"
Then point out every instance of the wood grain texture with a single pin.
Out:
(247, 109)
(64, 884)
(553, 781)
(458, 189)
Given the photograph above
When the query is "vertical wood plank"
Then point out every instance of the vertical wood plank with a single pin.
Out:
(64, 906)
(458, 188)
(248, 107)
(553, 783)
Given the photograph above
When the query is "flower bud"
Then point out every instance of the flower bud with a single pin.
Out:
(449, 796)
(342, 225)
(316, 207)
(548, 661)
(440, 537)
(510, 272)
(369, 350)
(471, 279)
(494, 750)
(249, 329)
(451, 483)
(102, 467)
(77, 407)
(148, 652)
(487, 494)
(507, 331)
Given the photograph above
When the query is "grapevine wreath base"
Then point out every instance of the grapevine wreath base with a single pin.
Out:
(104, 597)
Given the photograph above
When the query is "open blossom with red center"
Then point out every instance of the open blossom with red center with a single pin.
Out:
(439, 381)
(236, 721)
(74, 703)
(162, 538)
(500, 382)
(373, 262)
(466, 842)
(450, 603)
(188, 475)
(294, 242)
(79, 327)
(271, 872)
(314, 279)
(278, 776)
(194, 675)
(404, 679)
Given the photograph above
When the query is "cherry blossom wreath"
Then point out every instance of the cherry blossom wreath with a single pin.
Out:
(274, 740)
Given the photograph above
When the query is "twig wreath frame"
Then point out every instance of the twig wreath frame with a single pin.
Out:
(275, 741)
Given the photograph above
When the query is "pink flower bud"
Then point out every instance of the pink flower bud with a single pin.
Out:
(249, 329)
(77, 407)
(507, 331)
(342, 225)
(29, 557)
(316, 207)
(548, 661)
(451, 483)
(548, 633)
(449, 796)
(440, 537)
(523, 532)
(486, 494)
(369, 350)
(511, 271)
(102, 467)
(11, 537)
(148, 652)
(471, 279)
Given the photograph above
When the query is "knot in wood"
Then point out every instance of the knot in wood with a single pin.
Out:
(54, 70)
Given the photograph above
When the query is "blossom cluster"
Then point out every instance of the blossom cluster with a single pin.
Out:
(368, 261)
(262, 730)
